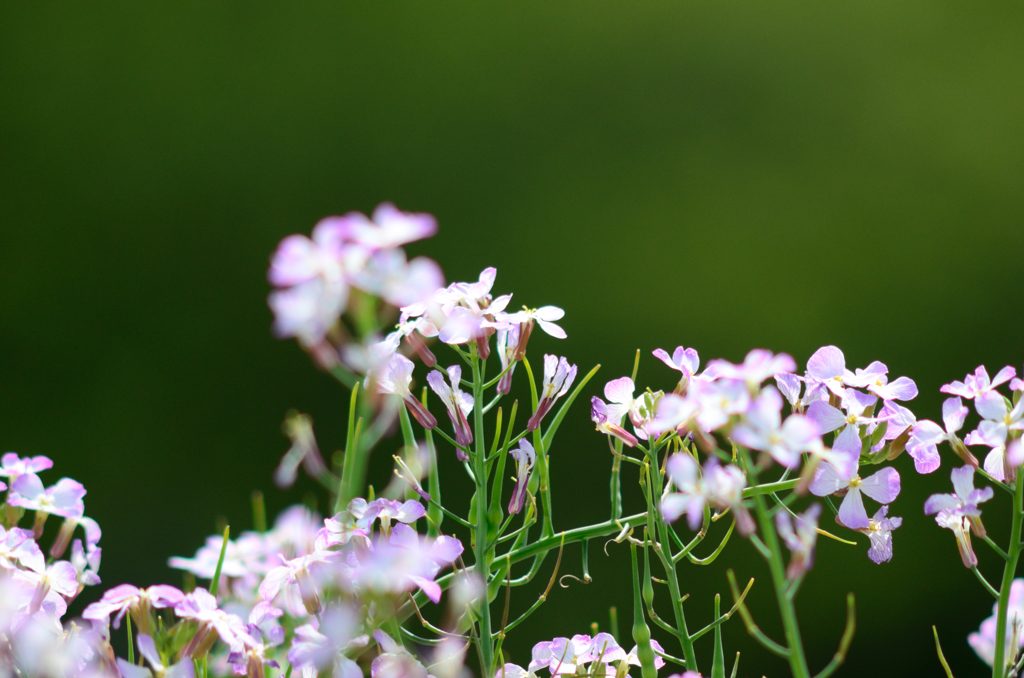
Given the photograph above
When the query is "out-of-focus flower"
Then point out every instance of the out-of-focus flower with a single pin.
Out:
(558, 378)
(525, 457)
(717, 401)
(719, 486)
(763, 429)
(321, 646)
(312, 290)
(458, 403)
(978, 383)
(213, 622)
(140, 602)
(800, 534)
(147, 649)
(385, 510)
(19, 546)
(62, 499)
(399, 564)
(983, 641)
(759, 365)
(12, 466)
(304, 450)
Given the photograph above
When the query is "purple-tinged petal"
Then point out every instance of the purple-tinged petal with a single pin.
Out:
(619, 390)
(963, 481)
(883, 486)
(851, 511)
(926, 457)
(991, 405)
(1004, 375)
(827, 481)
(827, 362)
(827, 418)
(941, 502)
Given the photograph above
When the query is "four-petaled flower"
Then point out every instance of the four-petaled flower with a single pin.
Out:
(879, 532)
(978, 383)
(964, 500)
(683, 360)
(395, 379)
(883, 487)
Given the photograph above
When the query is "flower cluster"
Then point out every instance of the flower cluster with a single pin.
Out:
(580, 655)
(357, 592)
(36, 586)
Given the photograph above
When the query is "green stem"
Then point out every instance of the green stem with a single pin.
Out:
(768, 488)
(481, 552)
(797, 660)
(1013, 553)
(667, 561)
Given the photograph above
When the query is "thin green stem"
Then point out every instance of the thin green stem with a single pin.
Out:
(481, 551)
(797, 660)
(984, 582)
(1001, 660)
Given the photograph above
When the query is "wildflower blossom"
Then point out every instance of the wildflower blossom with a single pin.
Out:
(140, 602)
(851, 417)
(717, 401)
(763, 429)
(385, 510)
(683, 360)
(759, 365)
(558, 378)
(395, 379)
(398, 564)
(978, 383)
(800, 534)
(960, 526)
(62, 499)
(312, 289)
(525, 457)
(321, 646)
(602, 416)
(12, 466)
(879, 533)
(545, 316)
(827, 368)
(213, 622)
(458, 403)
(507, 344)
(964, 500)
(791, 386)
(983, 641)
(719, 486)
(883, 487)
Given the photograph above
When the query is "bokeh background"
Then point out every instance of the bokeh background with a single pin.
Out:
(721, 175)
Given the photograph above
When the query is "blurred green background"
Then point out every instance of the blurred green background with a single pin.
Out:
(723, 175)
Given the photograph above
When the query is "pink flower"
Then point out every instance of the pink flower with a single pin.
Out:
(764, 430)
(883, 487)
(63, 499)
(978, 383)
(201, 607)
(683, 360)
(140, 602)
